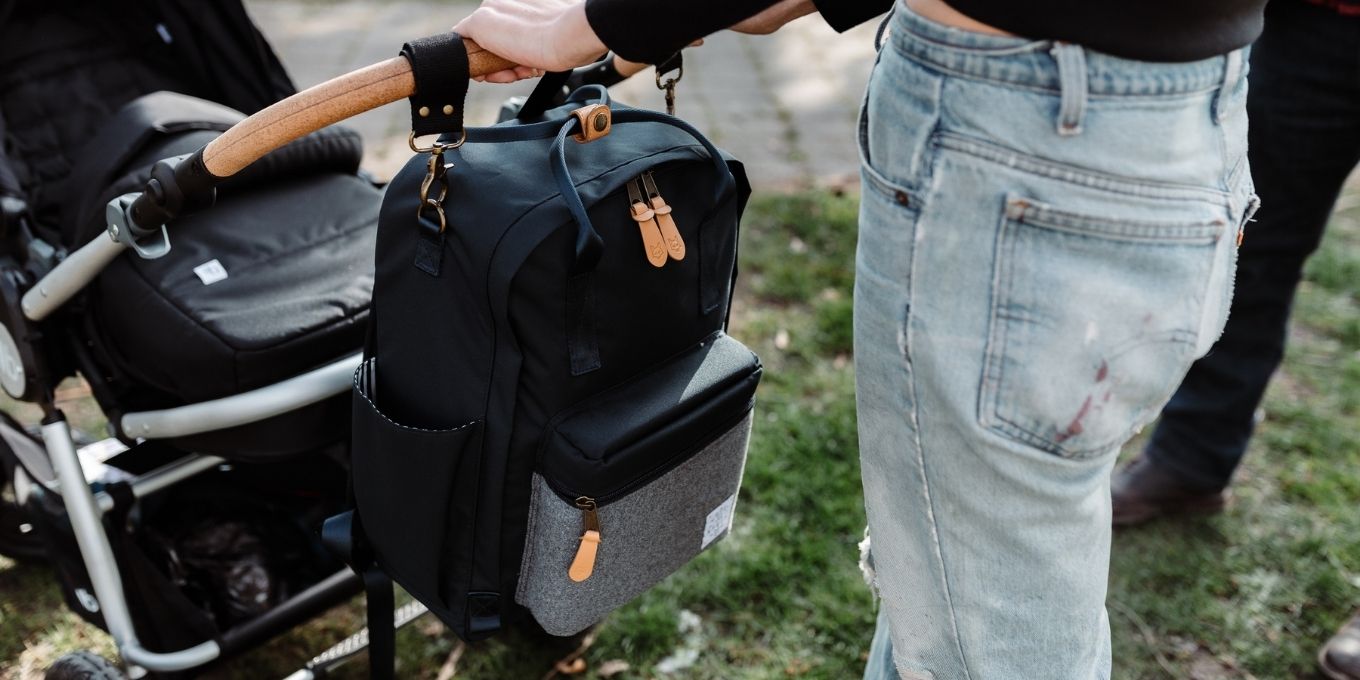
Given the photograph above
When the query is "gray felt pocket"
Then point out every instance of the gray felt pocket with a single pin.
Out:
(644, 535)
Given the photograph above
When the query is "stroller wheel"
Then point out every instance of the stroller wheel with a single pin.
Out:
(84, 665)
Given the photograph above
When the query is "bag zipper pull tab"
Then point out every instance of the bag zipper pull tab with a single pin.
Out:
(584, 564)
(675, 244)
(652, 242)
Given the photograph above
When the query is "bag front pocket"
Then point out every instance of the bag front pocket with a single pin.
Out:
(636, 482)
(404, 485)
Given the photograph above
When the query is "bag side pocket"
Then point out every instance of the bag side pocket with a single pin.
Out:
(404, 483)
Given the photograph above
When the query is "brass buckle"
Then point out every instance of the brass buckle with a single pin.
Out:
(596, 121)
(669, 87)
(435, 171)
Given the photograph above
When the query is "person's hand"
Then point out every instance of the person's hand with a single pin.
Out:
(774, 17)
(537, 35)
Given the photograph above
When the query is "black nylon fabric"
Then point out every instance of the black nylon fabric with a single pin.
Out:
(612, 441)
(9, 182)
(486, 341)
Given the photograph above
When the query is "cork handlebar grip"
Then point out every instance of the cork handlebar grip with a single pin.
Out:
(322, 105)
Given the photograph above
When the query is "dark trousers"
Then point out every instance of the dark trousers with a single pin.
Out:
(1304, 108)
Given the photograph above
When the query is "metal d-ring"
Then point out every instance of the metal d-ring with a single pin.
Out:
(437, 146)
(670, 82)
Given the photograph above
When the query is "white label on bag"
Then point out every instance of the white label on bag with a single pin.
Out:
(210, 272)
(719, 521)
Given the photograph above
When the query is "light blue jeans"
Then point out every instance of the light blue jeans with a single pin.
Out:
(1047, 241)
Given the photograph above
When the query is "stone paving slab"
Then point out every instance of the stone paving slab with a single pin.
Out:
(785, 104)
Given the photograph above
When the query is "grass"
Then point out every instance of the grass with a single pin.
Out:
(1251, 593)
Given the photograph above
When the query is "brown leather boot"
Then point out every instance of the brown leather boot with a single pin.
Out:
(1340, 657)
(1142, 491)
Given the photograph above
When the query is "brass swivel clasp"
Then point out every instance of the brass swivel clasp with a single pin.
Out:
(436, 173)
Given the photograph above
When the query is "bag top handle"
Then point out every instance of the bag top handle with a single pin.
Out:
(589, 243)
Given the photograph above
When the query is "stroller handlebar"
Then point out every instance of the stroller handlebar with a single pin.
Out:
(181, 186)
(188, 185)
(325, 104)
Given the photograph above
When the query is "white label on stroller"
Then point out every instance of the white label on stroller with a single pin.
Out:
(719, 521)
(210, 272)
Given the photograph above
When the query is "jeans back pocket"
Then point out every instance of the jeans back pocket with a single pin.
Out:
(1094, 323)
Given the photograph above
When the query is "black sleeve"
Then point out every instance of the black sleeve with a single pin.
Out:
(844, 15)
(649, 31)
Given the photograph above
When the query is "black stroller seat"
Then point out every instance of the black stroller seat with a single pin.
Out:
(272, 282)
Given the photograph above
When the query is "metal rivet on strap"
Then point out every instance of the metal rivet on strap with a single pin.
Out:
(448, 109)
(424, 111)
(902, 198)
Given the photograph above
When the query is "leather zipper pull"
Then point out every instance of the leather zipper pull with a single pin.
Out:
(675, 244)
(652, 243)
(584, 563)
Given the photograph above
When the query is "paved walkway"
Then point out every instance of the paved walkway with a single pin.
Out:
(785, 104)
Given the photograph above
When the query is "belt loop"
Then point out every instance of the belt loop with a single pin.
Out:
(1072, 79)
(1232, 73)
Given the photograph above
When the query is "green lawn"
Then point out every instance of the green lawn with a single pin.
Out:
(1251, 593)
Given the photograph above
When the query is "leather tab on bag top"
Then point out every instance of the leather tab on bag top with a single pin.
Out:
(440, 66)
(595, 122)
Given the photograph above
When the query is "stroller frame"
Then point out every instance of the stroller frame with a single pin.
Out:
(85, 508)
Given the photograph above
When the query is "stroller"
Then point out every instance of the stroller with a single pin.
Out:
(221, 357)
(221, 363)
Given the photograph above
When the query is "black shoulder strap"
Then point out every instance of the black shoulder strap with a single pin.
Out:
(343, 536)
(440, 66)
(550, 92)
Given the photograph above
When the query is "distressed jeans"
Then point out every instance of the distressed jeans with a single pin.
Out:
(1047, 242)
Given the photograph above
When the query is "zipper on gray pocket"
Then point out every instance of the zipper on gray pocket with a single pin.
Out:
(584, 563)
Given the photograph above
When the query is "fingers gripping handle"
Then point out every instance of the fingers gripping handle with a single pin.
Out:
(301, 114)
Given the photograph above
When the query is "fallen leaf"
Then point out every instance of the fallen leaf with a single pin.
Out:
(612, 667)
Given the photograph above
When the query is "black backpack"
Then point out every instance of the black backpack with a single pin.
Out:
(549, 416)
